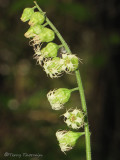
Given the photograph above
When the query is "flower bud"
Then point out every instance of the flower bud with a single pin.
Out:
(29, 33)
(67, 139)
(58, 97)
(71, 62)
(50, 50)
(74, 119)
(37, 29)
(47, 35)
(33, 31)
(27, 13)
(53, 67)
(36, 18)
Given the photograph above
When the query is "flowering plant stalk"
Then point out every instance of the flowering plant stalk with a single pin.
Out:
(54, 67)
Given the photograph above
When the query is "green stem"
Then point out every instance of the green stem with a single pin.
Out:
(45, 24)
(81, 91)
(74, 89)
(84, 107)
(34, 7)
(61, 45)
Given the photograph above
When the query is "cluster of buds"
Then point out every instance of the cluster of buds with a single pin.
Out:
(54, 66)
(37, 31)
(47, 56)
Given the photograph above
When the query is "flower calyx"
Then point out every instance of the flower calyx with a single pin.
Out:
(58, 98)
(67, 139)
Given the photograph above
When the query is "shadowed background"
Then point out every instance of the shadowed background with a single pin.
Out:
(27, 122)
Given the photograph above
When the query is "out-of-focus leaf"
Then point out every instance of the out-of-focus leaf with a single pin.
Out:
(99, 60)
(78, 11)
(21, 4)
(35, 100)
(114, 39)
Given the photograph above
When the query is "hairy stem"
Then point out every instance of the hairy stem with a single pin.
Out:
(80, 86)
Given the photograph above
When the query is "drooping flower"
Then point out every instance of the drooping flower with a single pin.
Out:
(53, 67)
(58, 97)
(74, 119)
(27, 13)
(71, 62)
(36, 18)
(67, 139)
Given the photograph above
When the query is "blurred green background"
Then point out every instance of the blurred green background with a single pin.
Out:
(27, 122)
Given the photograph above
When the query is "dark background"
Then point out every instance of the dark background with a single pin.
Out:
(27, 122)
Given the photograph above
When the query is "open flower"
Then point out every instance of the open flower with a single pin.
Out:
(53, 67)
(74, 119)
(58, 97)
(67, 139)
(71, 62)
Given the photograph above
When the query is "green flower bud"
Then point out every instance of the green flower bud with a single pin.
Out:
(29, 33)
(74, 119)
(59, 97)
(36, 18)
(33, 31)
(27, 13)
(47, 35)
(67, 139)
(71, 62)
(50, 50)
(37, 29)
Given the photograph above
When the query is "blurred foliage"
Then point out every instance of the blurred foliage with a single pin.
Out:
(27, 122)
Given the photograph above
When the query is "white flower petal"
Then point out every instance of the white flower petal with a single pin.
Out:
(67, 114)
(68, 122)
(64, 147)
(75, 112)
(74, 126)
(79, 120)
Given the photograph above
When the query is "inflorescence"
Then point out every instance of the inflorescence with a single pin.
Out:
(54, 66)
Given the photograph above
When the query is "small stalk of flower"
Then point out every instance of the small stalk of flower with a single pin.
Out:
(74, 119)
(67, 139)
(59, 97)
